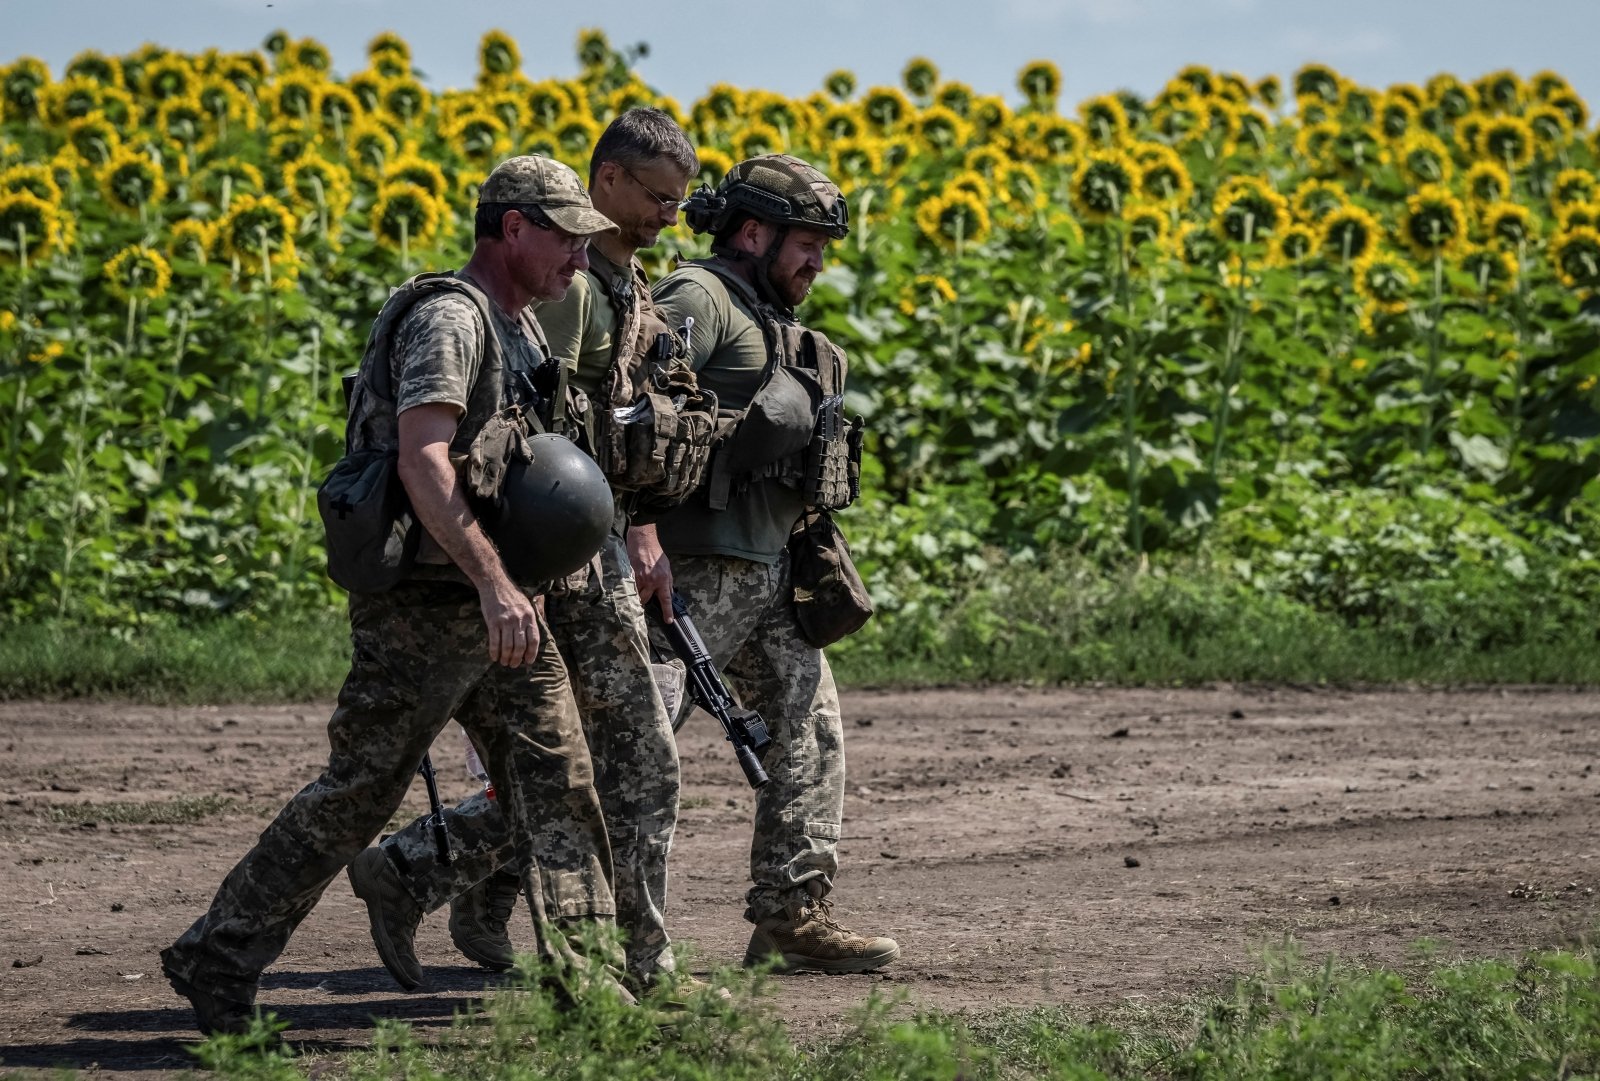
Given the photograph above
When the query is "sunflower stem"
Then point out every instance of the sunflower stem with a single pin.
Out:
(1429, 384)
(80, 442)
(1130, 388)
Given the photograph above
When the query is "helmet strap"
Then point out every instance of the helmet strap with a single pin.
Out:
(763, 264)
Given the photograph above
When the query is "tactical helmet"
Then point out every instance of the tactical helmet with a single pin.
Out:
(777, 188)
(553, 513)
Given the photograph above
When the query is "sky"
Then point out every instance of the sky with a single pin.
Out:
(1100, 45)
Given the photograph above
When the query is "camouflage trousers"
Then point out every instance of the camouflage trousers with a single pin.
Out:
(742, 610)
(419, 657)
(600, 629)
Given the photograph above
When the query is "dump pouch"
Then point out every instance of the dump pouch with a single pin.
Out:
(830, 600)
(372, 537)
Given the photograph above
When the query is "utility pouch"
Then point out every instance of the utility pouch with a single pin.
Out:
(830, 600)
(372, 536)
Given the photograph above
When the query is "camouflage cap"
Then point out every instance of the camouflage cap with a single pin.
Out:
(550, 186)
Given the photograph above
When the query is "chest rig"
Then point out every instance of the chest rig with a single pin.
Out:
(794, 430)
(653, 425)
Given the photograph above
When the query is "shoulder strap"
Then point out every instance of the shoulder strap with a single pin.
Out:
(374, 375)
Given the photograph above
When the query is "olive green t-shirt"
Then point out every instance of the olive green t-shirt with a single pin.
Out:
(580, 325)
(728, 352)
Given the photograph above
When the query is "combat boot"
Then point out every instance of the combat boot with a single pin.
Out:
(478, 921)
(805, 937)
(392, 915)
(215, 1010)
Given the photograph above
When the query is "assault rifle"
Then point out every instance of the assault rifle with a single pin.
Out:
(744, 728)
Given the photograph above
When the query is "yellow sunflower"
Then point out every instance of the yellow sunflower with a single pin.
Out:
(957, 97)
(409, 168)
(1040, 83)
(1269, 91)
(1164, 179)
(404, 215)
(498, 58)
(1509, 224)
(225, 178)
(170, 76)
(1320, 81)
(1487, 182)
(919, 77)
(855, 161)
(1507, 140)
(479, 137)
(131, 181)
(257, 224)
(370, 146)
(576, 133)
(714, 165)
(295, 96)
(1246, 210)
(388, 42)
(185, 123)
(1501, 91)
(1104, 185)
(1313, 199)
(1492, 270)
(1575, 255)
(547, 100)
(721, 105)
(405, 98)
(1385, 281)
(988, 161)
(338, 110)
(137, 273)
(1433, 223)
(39, 180)
(1572, 186)
(29, 227)
(840, 84)
(885, 109)
(1148, 224)
(191, 240)
(1293, 245)
(306, 54)
(1349, 234)
(988, 114)
(93, 64)
(1578, 215)
(1105, 120)
(312, 182)
(954, 220)
(23, 86)
(757, 139)
(1550, 126)
(1423, 158)
(1451, 96)
(941, 128)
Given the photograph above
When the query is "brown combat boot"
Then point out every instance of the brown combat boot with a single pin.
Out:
(216, 1009)
(805, 937)
(478, 921)
(392, 915)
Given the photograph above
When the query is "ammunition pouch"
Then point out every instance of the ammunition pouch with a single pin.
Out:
(652, 433)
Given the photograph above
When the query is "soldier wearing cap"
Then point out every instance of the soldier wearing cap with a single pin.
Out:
(771, 220)
(638, 173)
(459, 636)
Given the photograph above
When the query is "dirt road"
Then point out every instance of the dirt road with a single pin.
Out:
(1086, 846)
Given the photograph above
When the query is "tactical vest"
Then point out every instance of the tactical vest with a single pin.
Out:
(654, 423)
(794, 430)
(373, 538)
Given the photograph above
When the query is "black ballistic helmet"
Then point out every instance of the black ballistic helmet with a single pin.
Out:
(553, 513)
(777, 188)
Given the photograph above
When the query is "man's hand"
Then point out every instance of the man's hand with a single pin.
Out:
(652, 571)
(513, 628)
(441, 504)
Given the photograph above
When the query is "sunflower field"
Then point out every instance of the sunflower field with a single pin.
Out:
(1321, 336)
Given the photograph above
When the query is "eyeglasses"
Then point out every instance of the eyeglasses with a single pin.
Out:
(570, 243)
(663, 201)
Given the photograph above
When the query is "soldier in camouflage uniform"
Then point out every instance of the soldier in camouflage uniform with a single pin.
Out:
(639, 170)
(457, 636)
(771, 220)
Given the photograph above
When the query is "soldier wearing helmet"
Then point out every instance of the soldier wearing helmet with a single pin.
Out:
(771, 220)
(638, 173)
(449, 362)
